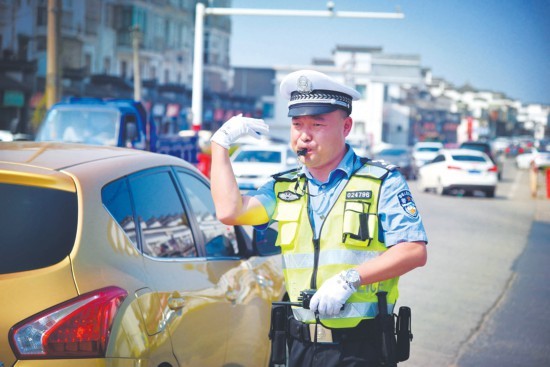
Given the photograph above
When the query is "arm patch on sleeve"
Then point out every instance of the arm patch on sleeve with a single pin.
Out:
(407, 203)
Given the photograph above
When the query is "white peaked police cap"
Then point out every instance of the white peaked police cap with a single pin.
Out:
(313, 93)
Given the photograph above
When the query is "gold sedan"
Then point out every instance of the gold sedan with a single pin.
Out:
(114, 257)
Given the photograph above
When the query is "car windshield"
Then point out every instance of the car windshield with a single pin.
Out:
(38, 226)
(263, 156)
(80, 125)
(468, 158)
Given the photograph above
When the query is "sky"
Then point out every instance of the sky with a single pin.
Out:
(495, 45)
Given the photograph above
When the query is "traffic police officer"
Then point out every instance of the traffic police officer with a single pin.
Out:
(348, 227)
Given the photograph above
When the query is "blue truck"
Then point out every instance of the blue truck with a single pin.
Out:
(114, 122)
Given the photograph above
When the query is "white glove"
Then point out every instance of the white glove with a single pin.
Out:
(238, 126)
(332, 295)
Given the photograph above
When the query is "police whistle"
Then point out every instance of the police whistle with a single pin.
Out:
(302, 152)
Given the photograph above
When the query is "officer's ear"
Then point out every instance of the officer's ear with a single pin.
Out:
(348, 123)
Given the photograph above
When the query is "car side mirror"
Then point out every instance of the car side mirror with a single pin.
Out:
(264, 242)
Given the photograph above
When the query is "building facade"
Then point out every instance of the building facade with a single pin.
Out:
(401, 103)
(379, 77)
(96, 57)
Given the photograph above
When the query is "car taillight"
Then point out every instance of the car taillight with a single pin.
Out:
(73, 329)
(493, 169)
(453, 167)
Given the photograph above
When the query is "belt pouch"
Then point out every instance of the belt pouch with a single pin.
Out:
(404, 334)
(277, 334)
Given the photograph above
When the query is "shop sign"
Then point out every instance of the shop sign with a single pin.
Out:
(13, 98)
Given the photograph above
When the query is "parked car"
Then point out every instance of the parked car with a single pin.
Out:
(459, 169)
(535, 157)
(401, 157)
(254, 164)
(114, 256)
(425, 151)
(486, 148)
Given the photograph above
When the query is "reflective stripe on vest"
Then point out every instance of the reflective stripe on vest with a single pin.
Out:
(349, 237)
(350, 311)
(329, 257)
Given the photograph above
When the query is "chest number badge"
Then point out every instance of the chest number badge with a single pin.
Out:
(365, 194)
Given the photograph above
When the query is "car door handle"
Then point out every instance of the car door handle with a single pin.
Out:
(176, 303)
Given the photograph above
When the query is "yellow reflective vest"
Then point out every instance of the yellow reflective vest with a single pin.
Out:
(349, 236)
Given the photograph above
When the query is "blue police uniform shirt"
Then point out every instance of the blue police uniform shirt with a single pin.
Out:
(399, 218)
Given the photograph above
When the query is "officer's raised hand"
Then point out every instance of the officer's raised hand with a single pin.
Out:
(239, 126)
(329, 299)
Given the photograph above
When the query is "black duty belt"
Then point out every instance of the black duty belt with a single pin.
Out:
(303, 332)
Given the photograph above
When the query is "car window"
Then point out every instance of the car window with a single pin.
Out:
(478, 147)
(220, 239)
(163, 222)
(427, 149)
(116, 198)
(38, 227)
(468, 158)
(265, 156)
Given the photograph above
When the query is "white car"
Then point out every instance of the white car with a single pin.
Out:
(459, 169)
(539, 157)
(424, 152)
(254, 164)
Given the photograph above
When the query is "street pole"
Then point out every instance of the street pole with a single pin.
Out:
(53, 86)
(202, 11)
(136, 39)
(197, 92)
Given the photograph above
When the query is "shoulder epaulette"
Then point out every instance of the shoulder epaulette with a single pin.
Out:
(290, 175)
(375, 168)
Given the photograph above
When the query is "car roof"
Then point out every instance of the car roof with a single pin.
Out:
(464, 151)
(52, 164)
(58, 156)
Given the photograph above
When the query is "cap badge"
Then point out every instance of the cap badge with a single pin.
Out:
(304, 85)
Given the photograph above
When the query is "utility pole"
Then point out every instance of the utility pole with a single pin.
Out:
(202, 11)
(136, 39)
(53, 85)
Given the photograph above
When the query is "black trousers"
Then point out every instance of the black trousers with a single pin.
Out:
(356, 347)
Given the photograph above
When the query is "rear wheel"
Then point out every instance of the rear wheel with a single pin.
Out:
(490, 192)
